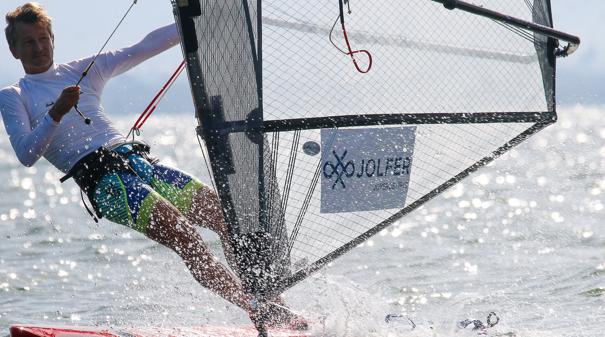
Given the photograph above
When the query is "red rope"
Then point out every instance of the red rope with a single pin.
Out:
(353, 52)
(158, 97)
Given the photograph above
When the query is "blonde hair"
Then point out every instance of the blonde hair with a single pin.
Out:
(31, 12)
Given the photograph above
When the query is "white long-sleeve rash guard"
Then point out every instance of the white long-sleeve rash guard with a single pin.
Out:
(25, 105)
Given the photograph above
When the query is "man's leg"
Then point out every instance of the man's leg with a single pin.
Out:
(124, 198)
(196, 201)
(200, 205)
(170, 228)
(206, 211)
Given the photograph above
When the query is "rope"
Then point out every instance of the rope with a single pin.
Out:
(349, 50)
(86, 119)
(206, 162)
(155, 101)
(105, 44)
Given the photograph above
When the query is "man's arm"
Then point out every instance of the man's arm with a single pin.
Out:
(30, 145)
(113, 63)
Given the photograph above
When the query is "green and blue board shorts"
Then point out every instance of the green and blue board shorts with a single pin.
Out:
(128, 197)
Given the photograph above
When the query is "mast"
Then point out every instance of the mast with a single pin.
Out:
(223, 50)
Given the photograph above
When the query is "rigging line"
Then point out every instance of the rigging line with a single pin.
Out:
(86, 119)
(332, 41)
(305, 207)
(518, 31)
(288, 182)
(309, 195)
(540, 13)
(106, 42)
(521, 32)
(135, 129)
(270, 174)
(151, 107)
(529, 5)
(206, 162)
(273, 178)
(524, 34)
(290, 172)
(529, 39)
(275, 183)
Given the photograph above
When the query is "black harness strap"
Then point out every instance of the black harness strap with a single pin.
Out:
(88, 171)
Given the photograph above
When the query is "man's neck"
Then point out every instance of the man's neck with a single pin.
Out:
(36, 70)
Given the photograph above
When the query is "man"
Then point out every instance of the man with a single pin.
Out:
(121, 181)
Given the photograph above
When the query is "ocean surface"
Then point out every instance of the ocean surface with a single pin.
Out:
(523, 237)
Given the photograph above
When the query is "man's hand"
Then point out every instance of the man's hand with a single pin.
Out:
(68, 98)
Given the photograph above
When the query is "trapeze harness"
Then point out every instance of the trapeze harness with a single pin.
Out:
(88, 171)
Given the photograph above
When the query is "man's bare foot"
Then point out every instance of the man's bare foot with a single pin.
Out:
(274, 315)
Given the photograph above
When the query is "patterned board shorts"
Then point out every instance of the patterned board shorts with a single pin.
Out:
(128, 199)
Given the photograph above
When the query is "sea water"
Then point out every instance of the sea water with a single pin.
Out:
(522, 237)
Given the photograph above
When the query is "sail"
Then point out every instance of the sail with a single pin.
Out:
(326, 121)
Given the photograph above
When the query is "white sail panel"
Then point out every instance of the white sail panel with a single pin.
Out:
(440, 153)
(426, 59)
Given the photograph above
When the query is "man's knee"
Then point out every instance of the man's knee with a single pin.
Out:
(168, 225)
(207, 210)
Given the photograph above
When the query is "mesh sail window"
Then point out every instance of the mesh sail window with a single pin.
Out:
(326, 121)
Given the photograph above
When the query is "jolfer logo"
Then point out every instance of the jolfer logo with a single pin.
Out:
(339, 169)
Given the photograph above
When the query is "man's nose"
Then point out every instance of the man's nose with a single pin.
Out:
(38, 46)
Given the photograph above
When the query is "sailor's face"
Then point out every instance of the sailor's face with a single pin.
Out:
(34, 47)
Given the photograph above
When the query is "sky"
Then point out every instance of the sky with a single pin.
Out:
(81, 28)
